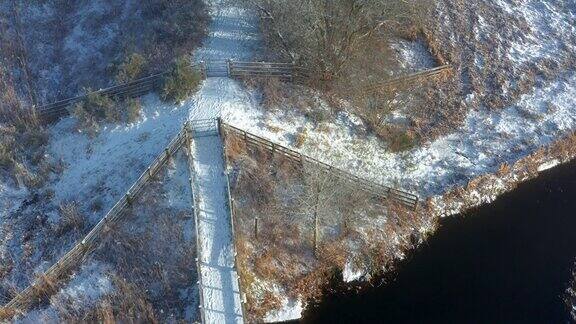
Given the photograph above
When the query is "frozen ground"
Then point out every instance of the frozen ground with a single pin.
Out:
(70, 45)
(487, 139)
(100, 169)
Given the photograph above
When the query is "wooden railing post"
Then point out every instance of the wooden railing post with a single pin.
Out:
(219, 125)
(203, 70)
(229, 66)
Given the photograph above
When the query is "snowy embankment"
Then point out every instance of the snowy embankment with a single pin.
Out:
(486, 140)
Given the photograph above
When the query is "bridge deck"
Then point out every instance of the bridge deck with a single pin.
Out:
(219, 281)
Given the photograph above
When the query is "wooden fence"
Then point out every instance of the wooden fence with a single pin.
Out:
(286, 71)
(200, 128)
(407, 199)
(407, 79)
(75, 256)
(232, 211)
(56, 110)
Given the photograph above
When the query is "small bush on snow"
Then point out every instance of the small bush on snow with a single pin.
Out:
(133, 109)
(400, 140)
(131, 69)
(95, 108)
(182, 81)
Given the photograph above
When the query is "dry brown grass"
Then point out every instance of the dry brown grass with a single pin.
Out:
(128, 304)
(301, 138)
(71, 219)
(275, 189)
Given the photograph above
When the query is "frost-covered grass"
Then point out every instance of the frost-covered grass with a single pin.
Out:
(62, 46)
(144, 267)
(524, 68)
(486, 140)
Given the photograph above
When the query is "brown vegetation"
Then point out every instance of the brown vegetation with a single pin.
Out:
(336, 41)
(182, 81)
(22, 139)
(507, 177)
(298, 226)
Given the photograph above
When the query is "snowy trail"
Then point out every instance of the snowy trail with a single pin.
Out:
(234, 34)
(220, 289)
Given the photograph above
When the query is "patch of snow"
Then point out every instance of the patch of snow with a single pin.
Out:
(106, 166)
(234, 33)
(10, 199)
(413, 56)
(85, 289)
(548, 165)
(551, 26)
(487, 139)
(290, 310)
(351, 272)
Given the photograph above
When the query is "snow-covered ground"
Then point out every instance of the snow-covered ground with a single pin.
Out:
(99, 170)
(486, 140)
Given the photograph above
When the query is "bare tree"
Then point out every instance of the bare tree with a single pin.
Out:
(324, 34)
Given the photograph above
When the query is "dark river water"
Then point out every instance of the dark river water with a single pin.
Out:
(508, 262)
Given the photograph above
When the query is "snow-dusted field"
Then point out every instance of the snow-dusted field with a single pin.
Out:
(98, 170)
(487, 139)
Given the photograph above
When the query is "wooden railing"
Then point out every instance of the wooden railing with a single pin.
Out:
(407, 79)
(232, 210)
(284, 71)
(74, 257)
(56, 110)
(407, 199)
(195, 201)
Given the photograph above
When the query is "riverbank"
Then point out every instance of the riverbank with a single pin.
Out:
(509, 261)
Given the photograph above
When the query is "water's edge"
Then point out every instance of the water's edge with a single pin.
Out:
(506, 261)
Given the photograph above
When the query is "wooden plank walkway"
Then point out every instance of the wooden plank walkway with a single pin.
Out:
(220, 292)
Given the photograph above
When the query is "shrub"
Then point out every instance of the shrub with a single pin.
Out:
(301, 138)
(132, 68)
(182, 81)
(94, 108)
(71, 218)
(134, 108)
(317, 116)
(400, 140)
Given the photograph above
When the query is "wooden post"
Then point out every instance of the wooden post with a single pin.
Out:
(203, 70)
(167, 150)
(316, 221)
(256, 227)
(128, 199)
(229, 64)
(149, 172)
(219, 123)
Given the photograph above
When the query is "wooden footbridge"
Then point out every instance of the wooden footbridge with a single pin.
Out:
(203, 141)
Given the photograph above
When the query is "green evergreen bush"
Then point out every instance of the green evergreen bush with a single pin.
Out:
(181, 82)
